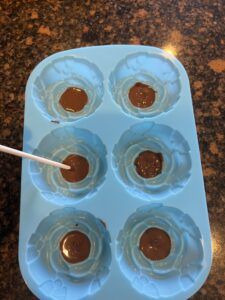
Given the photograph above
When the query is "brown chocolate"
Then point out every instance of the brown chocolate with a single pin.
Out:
(141, 95)
(75, 247)
(155, 244)
(73, 99)
(79, 168)
(104, 223)
(149, 164)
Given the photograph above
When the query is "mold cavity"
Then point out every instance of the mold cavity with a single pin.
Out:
(68, 88)
(160, 246)
(78, 148)
(149, 164)
(79, 168)
(152, 160)
(73, 99)
(155, 244)
(141, 95)
(145, 84)
(75, 247)
(78, 256)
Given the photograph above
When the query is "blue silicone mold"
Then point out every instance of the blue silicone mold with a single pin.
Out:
(110, 133)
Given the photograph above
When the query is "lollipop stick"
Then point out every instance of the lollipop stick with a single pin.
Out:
(33, 157)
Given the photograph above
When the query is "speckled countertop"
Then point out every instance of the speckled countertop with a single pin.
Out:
(192, 30)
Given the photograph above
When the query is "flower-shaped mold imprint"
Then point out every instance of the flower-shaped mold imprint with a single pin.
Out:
(59, 144)
(154, 70)
(169, 276)
(53, 275)
(158, 138)
(61, 74)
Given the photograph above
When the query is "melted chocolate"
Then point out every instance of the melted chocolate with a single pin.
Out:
(141, 95)
(149, 164)
(73, 99)
(75, 247)
(79, 168)
(155, 244)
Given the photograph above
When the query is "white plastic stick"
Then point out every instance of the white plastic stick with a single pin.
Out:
(33, 157)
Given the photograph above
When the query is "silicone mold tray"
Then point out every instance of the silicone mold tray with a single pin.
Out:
(113, 205)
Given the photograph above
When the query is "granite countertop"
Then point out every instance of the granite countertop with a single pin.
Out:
(193, 30)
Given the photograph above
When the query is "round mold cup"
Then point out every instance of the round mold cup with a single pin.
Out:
(60, 74)
(172, 275)
(157, 138)
(59, 144)
(154, 70)
(53, 275)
